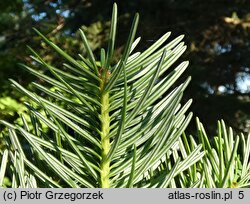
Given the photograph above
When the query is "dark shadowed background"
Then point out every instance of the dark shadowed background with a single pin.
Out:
(217, 33)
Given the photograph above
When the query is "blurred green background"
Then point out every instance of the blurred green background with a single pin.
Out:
(217, 33)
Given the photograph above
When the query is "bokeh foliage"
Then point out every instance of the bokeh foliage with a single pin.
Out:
(218, 45)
